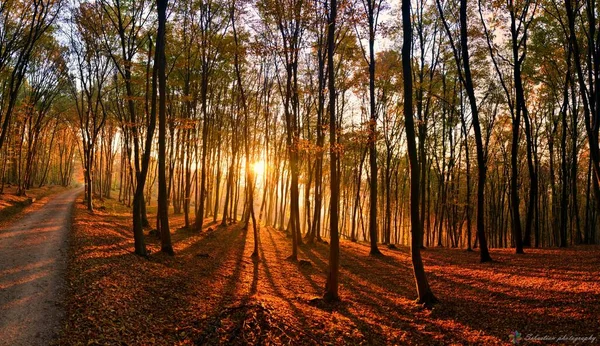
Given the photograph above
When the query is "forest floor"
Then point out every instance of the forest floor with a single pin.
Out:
(213, 292)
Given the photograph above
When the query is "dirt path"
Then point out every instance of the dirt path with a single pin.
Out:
(32, 263)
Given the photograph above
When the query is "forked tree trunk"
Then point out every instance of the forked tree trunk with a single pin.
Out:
(425, 296)
(249, 176)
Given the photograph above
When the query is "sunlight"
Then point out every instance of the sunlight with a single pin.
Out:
(259, 167)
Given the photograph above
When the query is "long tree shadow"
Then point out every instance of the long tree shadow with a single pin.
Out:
(375, 318)
(276, 288)
(477, 308)
(213, 292)
(361, 274)
(218, 260)
(388, 320)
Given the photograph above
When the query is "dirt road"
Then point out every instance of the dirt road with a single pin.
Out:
(32, 263)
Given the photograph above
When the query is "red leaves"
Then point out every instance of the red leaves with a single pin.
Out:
(228, 298)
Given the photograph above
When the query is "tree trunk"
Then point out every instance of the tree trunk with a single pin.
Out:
(425, 296)
(163, 209)
(331, 288)
(372, 133)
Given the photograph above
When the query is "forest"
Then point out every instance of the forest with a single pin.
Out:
(421, 172)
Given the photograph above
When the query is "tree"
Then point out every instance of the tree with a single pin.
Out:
(521, 17)
(23, 24)
(590, 91)
(464, 72)
(212, 23)
(45, 84)
(321, 27)
(372, 9)
(87, 85)
(331, 288)
(122, 26)
(249, 175)
(425, 295)
(163, 208)
(290, 18)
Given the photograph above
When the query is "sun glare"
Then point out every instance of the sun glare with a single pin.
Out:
(259, 168)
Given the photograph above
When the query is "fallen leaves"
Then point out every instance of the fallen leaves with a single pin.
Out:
(213, 292)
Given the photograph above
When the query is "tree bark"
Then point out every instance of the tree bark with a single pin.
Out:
(331, 290)
(163, 207)
(425, 295)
